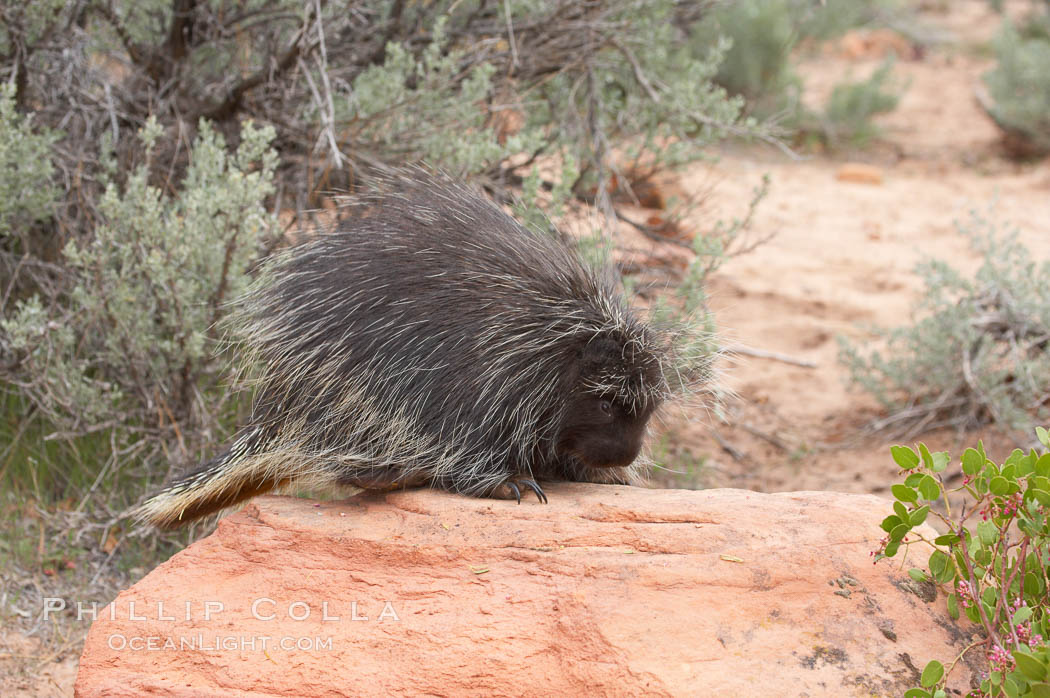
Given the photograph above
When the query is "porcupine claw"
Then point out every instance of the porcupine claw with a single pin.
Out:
(532, 485)
(514, 489)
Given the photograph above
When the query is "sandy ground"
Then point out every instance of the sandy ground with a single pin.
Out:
(29, 669)
(841, 261)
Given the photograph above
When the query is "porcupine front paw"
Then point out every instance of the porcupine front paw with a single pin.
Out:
(511, 489)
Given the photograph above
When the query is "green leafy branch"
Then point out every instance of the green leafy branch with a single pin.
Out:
(991, 561)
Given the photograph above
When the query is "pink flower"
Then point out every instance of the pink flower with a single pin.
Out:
(1000, 659)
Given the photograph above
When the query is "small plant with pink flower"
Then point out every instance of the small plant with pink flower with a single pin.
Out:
(992, 561)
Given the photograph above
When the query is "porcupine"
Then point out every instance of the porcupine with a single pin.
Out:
(432, 339)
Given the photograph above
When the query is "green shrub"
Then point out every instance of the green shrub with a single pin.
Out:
(1019, 87)
(847, 116)
(27, 191)
(131, 347)
(416, 104)
(827, 19)
(990, 562)
(979, 350)
(757, 65)
(617, 75)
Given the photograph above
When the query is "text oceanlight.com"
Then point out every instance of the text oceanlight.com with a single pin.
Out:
(217, 643)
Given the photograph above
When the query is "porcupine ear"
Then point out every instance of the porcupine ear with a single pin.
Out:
(598, 354)
(609, 364)
(595, 357)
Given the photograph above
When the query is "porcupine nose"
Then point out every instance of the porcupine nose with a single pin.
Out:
(623, 457)
(615, 452)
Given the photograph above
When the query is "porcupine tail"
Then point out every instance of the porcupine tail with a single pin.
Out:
(238, 474)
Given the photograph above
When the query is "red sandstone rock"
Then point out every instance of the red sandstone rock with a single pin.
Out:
(606, 591)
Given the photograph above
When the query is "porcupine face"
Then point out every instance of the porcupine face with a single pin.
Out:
(601, 432)
(604, 428)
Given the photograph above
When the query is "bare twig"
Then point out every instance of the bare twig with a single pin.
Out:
(223, 109)
(766, 436)
(765, 354)
(636, 68)
(729, 448)
(510, 36)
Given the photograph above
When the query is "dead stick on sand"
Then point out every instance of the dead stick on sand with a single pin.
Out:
(771, 438)
(763, 354)
(729, 448)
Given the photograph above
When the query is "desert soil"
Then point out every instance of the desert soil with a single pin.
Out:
(841, 260)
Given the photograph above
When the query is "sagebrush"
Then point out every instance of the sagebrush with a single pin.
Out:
(848, 116)
(760, 66)
(978, 351)
(130, 345)
(1019, 85)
